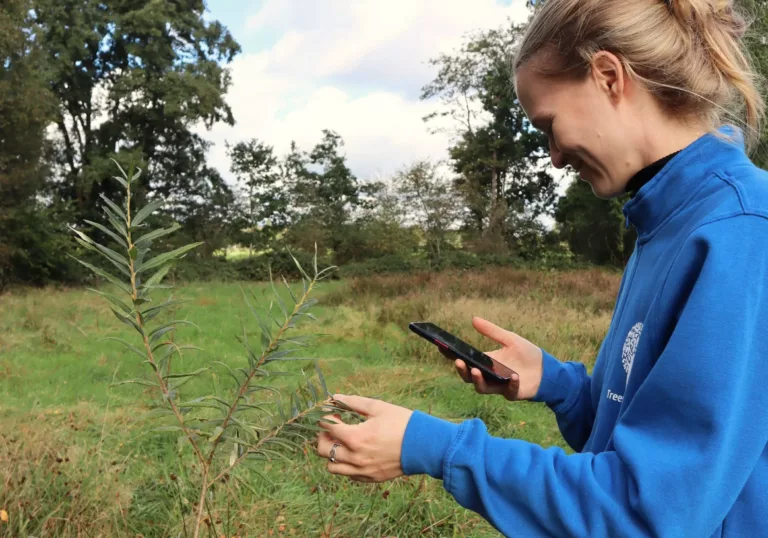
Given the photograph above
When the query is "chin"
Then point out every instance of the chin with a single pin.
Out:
(601, 188)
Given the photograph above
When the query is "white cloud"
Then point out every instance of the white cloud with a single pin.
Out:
(353, 67)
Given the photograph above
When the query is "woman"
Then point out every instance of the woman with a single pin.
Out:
(670, 430)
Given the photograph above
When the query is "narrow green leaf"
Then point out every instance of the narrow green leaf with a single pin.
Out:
(116, 221)
(249, 487)
(313, 391)
(114, 300)
(202, 405)
(216, 388)
(128, 320)
(281, 353)
(150, 313)
(216, 433)
(116, 281)
(146, 239)
(179, 384)
(122, 182)
(298, 265)
(129, 346)
(171, 324)
(135, 175)
(135, 382)
(146, 211)
(280, 301)
(229, 371)
(290, 290)
(119, 212)
(285, 359)
(160, 333)
(258, 388)
(155, 279)
(173, 349)
(157, 261)
(321, 274)
(247, 428)
(272, 454)
(109, 232)
(321, 378)
(254, 406)
(94, 248)
(191, 374)
(283, 443)
(119, 168)
(309, 427)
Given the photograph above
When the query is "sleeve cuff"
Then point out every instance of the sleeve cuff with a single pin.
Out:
(556, 382)
(425, 444)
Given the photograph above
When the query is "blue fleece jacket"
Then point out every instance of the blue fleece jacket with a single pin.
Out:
(670, 430)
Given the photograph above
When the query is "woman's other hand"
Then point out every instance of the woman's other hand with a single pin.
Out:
(369, 451)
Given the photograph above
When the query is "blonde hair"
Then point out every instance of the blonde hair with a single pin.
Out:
(689, 53)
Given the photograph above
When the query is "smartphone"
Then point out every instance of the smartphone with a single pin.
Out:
(493, 371)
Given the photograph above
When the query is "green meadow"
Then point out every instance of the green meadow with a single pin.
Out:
(78, 459)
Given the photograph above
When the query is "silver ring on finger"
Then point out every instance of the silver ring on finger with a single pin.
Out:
(332, 456)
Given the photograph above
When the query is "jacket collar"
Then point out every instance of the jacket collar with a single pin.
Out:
(675, 184)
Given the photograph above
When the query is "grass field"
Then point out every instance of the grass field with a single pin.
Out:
(75, 461)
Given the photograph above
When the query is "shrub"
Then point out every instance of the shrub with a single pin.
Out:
(234, 423)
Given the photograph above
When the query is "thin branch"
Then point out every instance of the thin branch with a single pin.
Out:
(271, 435)
(148, 347)
(244, 385)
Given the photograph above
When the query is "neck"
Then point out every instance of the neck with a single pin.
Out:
(656, 140)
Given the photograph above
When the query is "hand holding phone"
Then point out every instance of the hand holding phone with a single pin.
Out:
(492, 370)
(515, 353)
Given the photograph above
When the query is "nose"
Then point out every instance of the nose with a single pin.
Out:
(557, 156)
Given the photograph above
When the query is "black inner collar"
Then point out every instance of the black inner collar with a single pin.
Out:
(646, 174)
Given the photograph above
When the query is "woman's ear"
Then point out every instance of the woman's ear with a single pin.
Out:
(609, 75)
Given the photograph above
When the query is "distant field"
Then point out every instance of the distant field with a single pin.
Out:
(74, 461)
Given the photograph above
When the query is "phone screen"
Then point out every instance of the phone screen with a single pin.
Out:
(465, 349)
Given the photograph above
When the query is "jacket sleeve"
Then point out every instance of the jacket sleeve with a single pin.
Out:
(686, 443)
(566, 389)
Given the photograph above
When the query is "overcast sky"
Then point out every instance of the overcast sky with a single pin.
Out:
(353, 66)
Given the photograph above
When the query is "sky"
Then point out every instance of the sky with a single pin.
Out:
(353, 66)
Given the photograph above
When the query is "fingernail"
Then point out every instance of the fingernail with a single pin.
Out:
(515, 377)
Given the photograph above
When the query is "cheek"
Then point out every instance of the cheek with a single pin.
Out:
(568, 135)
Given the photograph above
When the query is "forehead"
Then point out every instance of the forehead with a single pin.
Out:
(532, 90)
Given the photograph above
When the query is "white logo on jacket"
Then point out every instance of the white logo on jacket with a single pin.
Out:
(630, 348)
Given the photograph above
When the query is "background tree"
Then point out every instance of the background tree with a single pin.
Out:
(325, 193)
(500, 160)
(431, 203)
(133, 78)
(262, 192)
(594, 228)
(31, 236)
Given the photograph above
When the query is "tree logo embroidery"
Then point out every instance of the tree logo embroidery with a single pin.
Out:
(630, 348)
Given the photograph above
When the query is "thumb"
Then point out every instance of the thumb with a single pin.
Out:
(494, 332)
(364, 406)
